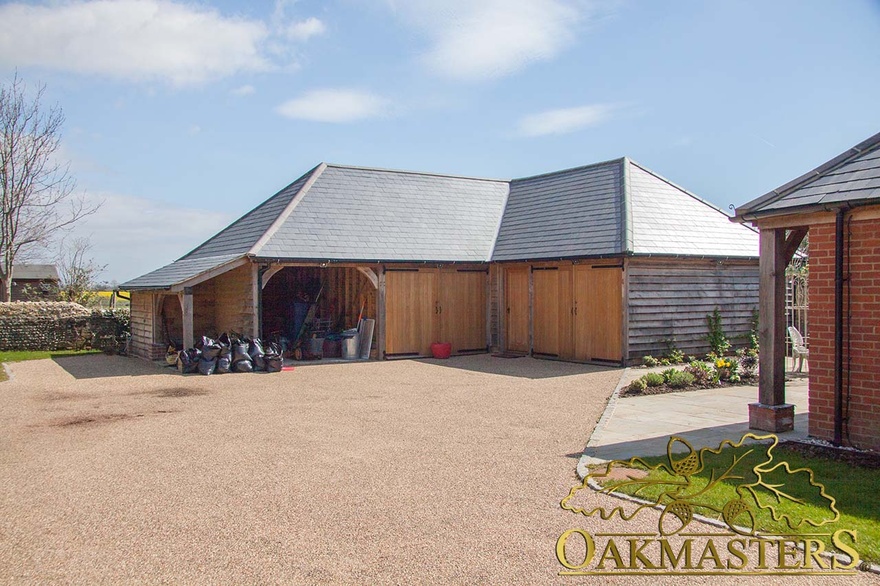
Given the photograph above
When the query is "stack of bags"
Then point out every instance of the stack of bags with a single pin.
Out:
(229, 354)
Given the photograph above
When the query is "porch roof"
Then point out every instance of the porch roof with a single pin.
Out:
(851, 178)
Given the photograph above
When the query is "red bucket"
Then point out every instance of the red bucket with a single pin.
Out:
(441, 349)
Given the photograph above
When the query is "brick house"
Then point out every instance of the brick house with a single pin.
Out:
(838, 205)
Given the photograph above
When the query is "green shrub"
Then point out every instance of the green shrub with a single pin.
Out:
(702, 373)
(718, 341)
(653, 379)
(650, 361)
(680, 379)
(676, 356)
(667, 373)
(637, 386)
(664, 362)
(753, 330)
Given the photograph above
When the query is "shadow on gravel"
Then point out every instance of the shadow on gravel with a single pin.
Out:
(176, 392)
(521, 367)
(98, 419)
(103, 366)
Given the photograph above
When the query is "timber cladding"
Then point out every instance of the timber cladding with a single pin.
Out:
(668, 302)
(141, 323)
(233, 302)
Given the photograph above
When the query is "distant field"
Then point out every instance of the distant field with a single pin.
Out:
(104, 297)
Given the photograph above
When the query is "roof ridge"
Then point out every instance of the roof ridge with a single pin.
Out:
(626, 215)
(282, 217)
(579, 168)
(498, 226)
(680, 188)
(869, 144)
(406, 172)
(247, 213)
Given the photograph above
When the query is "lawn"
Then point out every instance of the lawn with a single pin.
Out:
(854, 488)
(21, 355)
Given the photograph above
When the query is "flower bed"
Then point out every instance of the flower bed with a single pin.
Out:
(717, 372)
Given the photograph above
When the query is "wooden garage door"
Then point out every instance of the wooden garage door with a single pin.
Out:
(516, 298)
(546, 310)
(598, 313)
(462, 309)
(410, 311)
(606, 313)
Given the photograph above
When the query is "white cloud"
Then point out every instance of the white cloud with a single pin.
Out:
(492, 38)
(140, 40)
(334, 105)
(244, 90)
(134, 235)
(305, 29)
(565, 120)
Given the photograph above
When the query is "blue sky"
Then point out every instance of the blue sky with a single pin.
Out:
(182, 116)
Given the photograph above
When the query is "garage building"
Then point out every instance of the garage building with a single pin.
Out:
(602, 263)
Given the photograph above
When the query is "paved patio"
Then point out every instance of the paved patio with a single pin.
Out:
(641, 426)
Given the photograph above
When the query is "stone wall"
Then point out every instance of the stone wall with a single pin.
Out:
(59, 326)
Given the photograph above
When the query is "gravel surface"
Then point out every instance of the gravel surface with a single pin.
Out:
(117, 471)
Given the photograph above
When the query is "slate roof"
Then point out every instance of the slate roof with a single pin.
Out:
(352, 213)
(31, 272)
(179, 271)
(240, 236)
(341, 213)
(614, 208)
(667, 219)
(576, 212)
(851, 178)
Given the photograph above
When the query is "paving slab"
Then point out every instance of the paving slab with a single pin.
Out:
(642, 426)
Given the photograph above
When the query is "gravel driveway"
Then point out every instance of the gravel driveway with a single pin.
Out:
(117, 471)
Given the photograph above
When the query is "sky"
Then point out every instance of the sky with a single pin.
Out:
(182, 116)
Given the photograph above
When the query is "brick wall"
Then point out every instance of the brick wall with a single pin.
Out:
(861, 332)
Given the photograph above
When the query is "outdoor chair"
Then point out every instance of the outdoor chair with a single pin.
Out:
(798, 348)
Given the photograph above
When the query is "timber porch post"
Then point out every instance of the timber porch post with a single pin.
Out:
(771, 412)
(186, 304)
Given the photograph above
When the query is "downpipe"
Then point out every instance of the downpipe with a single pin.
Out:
(838, 326)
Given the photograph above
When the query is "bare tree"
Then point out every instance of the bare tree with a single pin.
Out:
(36, 190)
(78, 272)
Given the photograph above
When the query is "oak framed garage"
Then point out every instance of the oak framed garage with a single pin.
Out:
(601, 263)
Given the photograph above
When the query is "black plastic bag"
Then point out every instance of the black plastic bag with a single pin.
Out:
(224, 340)
(243, 366)
(272, 348)
(273, 362)
(211, 350)
(207, 365)
(255, 351)
(224, 363)
(188, 361)
(240, 352)
(204, 341)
